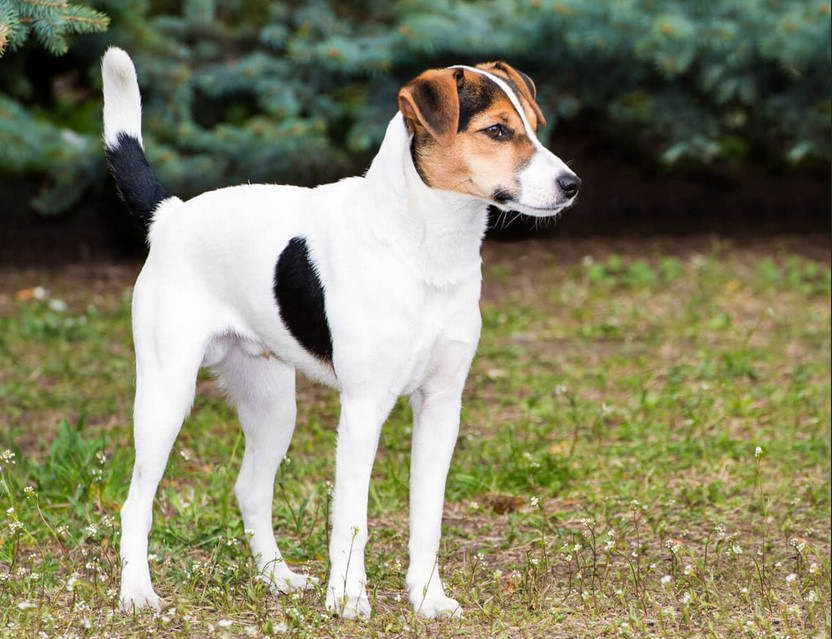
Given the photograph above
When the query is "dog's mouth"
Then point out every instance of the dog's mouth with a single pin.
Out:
(535, 211)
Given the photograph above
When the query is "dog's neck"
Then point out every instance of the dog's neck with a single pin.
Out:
(438, 232)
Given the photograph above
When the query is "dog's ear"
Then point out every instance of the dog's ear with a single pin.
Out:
(525, 85)
(432, 102)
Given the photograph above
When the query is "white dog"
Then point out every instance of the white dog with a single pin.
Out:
(370, 285)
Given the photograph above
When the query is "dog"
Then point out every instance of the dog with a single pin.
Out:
(370, 285)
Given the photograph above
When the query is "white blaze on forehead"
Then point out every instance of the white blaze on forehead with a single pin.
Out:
(515, 101)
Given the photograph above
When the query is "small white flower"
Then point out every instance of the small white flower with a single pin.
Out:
(813, 568)
(86, 623)
(534, 501)
(561, 389)
(25, 605)
(736, 549)
(812, 597)
(688, 569)
(40, 293)
(797, 544)
(225, 623)
(686, 598)
(59, 306)
(666, 580)
(29, 491)
(791, 578)
(757, 452)
(91, 530)
(744, 590)
(397, 597)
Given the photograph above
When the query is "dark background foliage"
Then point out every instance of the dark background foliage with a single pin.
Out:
(679, 115)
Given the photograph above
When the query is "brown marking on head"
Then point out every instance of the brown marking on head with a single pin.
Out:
(467, 135)
(431, 102)
(523, 86)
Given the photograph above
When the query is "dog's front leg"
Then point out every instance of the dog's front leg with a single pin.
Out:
(358, 432)
(436, 424)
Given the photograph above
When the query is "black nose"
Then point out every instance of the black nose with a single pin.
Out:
(569, 184)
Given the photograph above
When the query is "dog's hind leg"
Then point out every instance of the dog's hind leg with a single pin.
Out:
(169, 350)
(264, 393)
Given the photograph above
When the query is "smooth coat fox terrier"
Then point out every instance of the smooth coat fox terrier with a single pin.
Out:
(370, 285)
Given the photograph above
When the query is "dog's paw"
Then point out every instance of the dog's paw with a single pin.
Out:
(439, 606)
(348, 607)
(290, 582)
(136, 599)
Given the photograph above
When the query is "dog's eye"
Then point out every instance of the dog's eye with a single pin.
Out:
(497, 132)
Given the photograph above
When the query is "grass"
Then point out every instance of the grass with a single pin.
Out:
(644, 452)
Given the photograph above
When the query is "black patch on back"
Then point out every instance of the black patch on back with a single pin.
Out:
(135, 181)
(300, 299)
(475, 97)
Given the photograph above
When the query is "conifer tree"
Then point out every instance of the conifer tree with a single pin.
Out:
(301, 91)
(49, 20)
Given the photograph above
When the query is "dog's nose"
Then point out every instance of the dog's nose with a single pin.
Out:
(569, 183)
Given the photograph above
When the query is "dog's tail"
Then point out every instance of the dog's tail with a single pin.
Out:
(136, 183)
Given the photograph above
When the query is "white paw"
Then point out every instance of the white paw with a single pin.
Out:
(348, 607)
(439, 606)
(290, 582)
(135, 599)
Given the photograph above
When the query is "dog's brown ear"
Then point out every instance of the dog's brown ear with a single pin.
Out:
(525, 85)
(432, 102)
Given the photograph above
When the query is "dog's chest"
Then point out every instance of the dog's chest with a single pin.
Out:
(417, 348)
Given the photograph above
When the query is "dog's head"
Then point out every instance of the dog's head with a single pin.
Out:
(474, 132)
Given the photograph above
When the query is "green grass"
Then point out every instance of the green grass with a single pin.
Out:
(607, 480)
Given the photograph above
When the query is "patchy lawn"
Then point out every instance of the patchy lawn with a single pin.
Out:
(644, 452)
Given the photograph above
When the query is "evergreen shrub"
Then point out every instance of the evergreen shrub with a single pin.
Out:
(301, 91)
